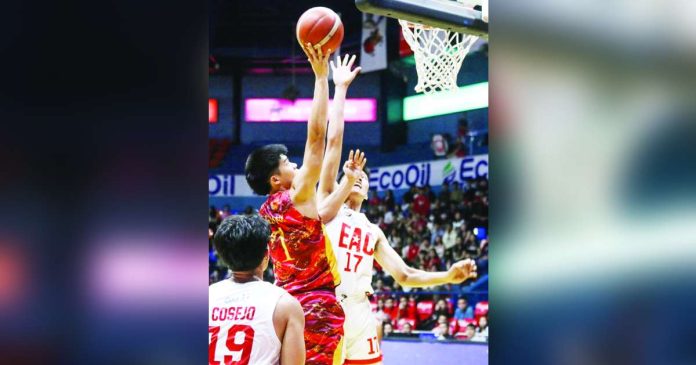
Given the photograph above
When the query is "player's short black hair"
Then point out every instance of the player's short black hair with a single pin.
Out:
(261, 164)
(242, 241)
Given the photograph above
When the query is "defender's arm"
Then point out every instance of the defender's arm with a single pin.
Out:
(408, 276)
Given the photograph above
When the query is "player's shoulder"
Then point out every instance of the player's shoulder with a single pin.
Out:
(219, 287)
(276, 202)
(289, 305)
(341, 216)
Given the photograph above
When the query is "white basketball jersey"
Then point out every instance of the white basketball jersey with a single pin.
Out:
(353, 238)
(240, 323)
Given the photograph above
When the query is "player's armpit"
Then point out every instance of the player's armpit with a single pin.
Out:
(292, 350)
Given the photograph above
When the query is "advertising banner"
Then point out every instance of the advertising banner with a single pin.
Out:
(434, 172)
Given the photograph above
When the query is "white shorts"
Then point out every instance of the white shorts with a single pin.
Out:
(360, 333)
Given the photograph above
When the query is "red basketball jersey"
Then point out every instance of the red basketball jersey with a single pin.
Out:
(303, 259)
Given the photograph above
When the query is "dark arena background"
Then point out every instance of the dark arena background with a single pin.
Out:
(428, 162)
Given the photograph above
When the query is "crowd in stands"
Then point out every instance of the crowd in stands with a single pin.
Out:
(431, 231)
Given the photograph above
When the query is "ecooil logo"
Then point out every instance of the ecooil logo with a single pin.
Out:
(448, 173)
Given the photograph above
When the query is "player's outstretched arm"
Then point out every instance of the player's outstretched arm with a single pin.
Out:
(342, 77)
(352, 168)
(308, 175)
(408, 276)
(292, 346)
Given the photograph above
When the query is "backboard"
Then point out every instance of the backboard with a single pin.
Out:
(445, 14)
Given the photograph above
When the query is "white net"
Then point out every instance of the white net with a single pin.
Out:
(439, 54)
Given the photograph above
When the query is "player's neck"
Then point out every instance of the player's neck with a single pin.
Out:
(354, 204)
(242, 277)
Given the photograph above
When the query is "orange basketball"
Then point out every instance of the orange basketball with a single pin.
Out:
(321, 27)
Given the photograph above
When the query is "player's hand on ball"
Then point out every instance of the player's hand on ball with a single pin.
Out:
(354, 165)
(318, 60)
(462, 270)
(342, 75)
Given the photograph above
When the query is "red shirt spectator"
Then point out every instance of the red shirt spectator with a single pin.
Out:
(374, 199)
(433, 261)
(419, 223)
(421, 204)
(413, 250)
(390, 309)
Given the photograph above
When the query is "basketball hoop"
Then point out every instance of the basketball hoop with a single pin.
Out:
(439, 54)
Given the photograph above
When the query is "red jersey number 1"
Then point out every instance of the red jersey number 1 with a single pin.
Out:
(244, 347)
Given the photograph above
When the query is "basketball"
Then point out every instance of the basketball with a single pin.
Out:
(321, 27)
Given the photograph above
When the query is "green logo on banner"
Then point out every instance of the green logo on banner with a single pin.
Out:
(448, 172)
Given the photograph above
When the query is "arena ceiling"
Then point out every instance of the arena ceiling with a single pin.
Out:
(259, 34)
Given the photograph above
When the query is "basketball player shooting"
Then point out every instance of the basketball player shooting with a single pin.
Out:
(269, 322)
(303, 260)
(356, 242)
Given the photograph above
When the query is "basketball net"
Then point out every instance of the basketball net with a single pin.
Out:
(439, 54)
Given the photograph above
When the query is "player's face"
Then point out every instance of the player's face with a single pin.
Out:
(361, 186)
(286, 171)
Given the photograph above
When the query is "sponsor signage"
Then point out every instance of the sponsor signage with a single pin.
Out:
(394, 177)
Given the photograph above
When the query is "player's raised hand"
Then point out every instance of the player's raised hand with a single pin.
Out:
(318, 60)
(462, 270)
(354, 165)
(342, 74)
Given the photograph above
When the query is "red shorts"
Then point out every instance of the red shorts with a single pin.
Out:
(323, 332)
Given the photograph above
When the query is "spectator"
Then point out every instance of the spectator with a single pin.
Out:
(470, 245)
(458, 253)
(214, 216)
(458, 221)
(388, 329)
(412, 253)
(483, 326)
(458, 150)
(439, 145)
(449, 238)
(388, 218)
(433, 262)
(410, 195)
(425, 245)
(394, 238)
(456, 195)
(437, 231)
(479, 210)
(402, 312)
(429, 192)
(481, 334)
(406, 329)
(418, 223)
(444, 195)
(380, 315)
(225, 212)
(441, 308)
(441, 331)
(463, 311)
(421, 203)
(439, 247)
(373, 200)
(469, 332)
(389, 201)
(390, 310)
(382, 291)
